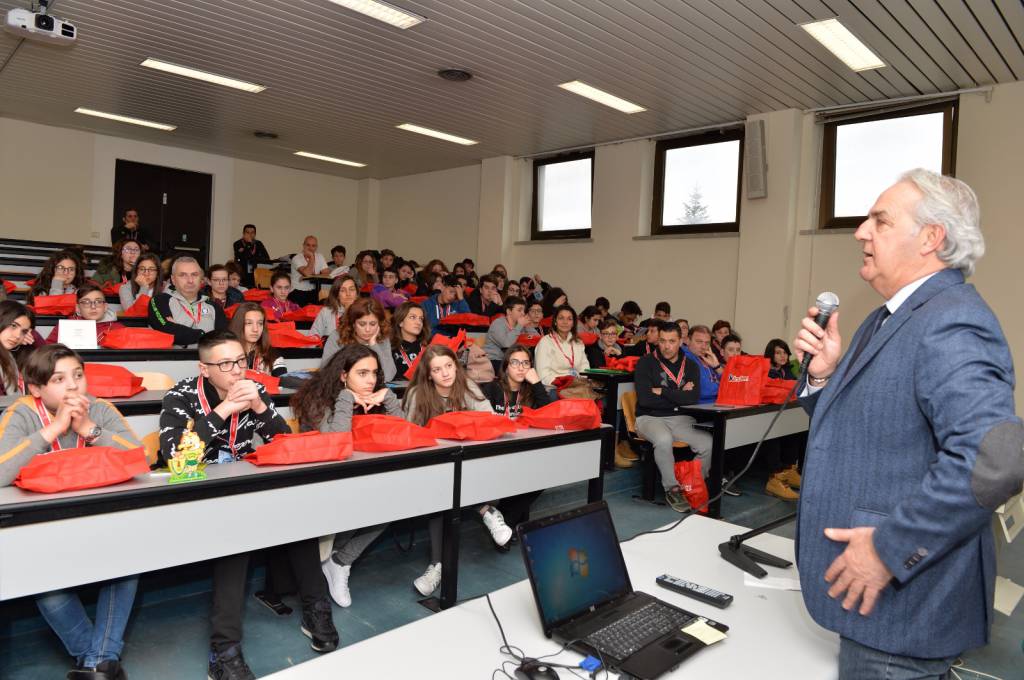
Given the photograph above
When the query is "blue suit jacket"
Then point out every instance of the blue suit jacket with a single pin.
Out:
(893, 444)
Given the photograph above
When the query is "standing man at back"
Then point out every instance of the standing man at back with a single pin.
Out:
(307, 263)
(249, 251)
(913, 443)
(182, 311)
(130, 230)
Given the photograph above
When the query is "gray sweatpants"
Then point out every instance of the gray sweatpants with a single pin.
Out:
(349, 545)
(661, 431)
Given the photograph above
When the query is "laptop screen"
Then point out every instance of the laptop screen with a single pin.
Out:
(574, 562)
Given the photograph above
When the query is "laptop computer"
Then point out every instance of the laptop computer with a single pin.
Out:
(585, 599)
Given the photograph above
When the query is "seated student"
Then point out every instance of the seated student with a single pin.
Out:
(699, 350)
(650, 328)
(183, 311)
(485, 299)
(504, 331)
(512, 289)
(16, 324)
(518, 385)
(363, 323)
(628, 314)
(684, 330)
(235, 276)
(249, 324)
(780, 358)
(446, 302)
(471, 276)
(228, 412)
(338, 266)
(425, 280)
(278, 304)
(341, 296)
(666, 380)
(91, 306)
(388, 259)
(499, 281)
(527, 290)
(663, 311)
(590, 317)
(553, 299)
(718, 333)
(439, 385)
(351, 384)
(560, 353)
(606, 346)
(603, 305)
(304, 264)
(118, 266)
(364, 270)
(406, 276)
(459, 269)
(58, 413)
(534, 317)
(409, 337)
(62, 273)
(387, 293)
(146, 280)
(219, 290)
(732, 346)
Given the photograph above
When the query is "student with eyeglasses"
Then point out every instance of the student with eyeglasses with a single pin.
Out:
(63, 273)
(147, 279)
(118, 266)
(16, 337)
(91, 306)
(219, 290)
(228, 412)
(606, 346)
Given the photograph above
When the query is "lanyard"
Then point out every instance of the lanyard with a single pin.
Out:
(677, 379)
(572, 359)
(205, 405)
(257, 362)
(44, 418)
(405, 357)
(197, 317)
(124, 279)
(447, 310)
(519, 401)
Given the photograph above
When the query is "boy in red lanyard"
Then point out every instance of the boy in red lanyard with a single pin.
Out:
(664, 381)
(227, 412)
(58, 414)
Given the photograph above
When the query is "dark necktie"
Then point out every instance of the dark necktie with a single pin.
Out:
(880, 316)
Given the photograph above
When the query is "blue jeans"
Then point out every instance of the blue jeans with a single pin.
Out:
(91, 644)
(857, 662)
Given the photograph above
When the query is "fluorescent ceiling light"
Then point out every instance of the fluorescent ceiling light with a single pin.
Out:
(126, 119)
(838, 40)
(382, 11)
(435, 133)
(329, 159)
(202, 75)
(601, 97)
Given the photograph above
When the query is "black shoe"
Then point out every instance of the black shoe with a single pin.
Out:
(229, 665)
(273, 602)
(107, 670)
(114, 669)
(318, 626)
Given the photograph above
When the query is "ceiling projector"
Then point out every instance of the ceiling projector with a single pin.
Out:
(40, 26)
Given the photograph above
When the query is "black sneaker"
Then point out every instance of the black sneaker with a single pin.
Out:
(107, 670)
(229, 665)
(318, 626)
(273, 602)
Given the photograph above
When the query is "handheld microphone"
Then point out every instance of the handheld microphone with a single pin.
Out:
(826, 303)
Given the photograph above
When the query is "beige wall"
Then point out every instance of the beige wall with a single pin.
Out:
(432, 215)
(58, 185)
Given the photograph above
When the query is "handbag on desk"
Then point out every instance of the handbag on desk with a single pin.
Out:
(470, 425)
(304, 447)
(380, 433)
(88, 467)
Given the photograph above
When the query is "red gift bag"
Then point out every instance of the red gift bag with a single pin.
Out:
(138, 310)
(564, 414)
(587, 338)
(367, 288)
(272, 384)
(410, 288)
(418, 299)
(470, 425)
(621, 363)
(775, 391)
(500, 315)
(691, 481)
(9, 287)
(464, 319)
(230, 310)
(545, 322)
(111, 288)
(304, 447)
(528, 340)
(307, 313)
(55, 305)
(136, 338)
(285, 335)
(111, 380)
(379, 433)
(85, 468)
(256, 294)
(742, 380)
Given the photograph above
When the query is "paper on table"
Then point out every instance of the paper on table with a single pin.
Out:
(771, 582)
(703, 632)
(1008, 594)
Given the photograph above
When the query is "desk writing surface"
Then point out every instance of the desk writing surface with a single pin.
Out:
(771, 635)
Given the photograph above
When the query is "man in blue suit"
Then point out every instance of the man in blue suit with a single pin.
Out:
(913, 443)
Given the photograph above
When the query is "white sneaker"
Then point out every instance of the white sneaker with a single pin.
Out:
(337, 581)
(430, 580)
(495, 523)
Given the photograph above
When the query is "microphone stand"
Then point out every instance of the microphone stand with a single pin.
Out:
(745, 557)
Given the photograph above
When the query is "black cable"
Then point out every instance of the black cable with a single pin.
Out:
(753, 457)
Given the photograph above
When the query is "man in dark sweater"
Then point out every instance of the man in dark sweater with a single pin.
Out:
(485, 299)
(249, 251)
(130, 230)
(227, 412)
(666, 380)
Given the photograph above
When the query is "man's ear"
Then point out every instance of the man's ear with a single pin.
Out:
(933, 236)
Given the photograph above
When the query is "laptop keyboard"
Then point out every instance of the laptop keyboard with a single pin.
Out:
(634, 631)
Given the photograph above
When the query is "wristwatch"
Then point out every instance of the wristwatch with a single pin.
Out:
(93, 435)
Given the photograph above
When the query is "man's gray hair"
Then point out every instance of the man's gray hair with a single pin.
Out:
(184, 259)
(951, 203)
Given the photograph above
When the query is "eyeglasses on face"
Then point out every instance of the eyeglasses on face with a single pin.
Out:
(227, 365)
(519, 363)
(91, 302)
(65, 270)
(147, 270)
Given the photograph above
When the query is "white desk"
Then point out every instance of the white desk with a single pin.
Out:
(771, 634)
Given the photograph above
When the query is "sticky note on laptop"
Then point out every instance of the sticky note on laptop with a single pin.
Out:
(700, 629)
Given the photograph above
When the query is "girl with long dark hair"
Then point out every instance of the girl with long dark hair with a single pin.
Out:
(250, 325)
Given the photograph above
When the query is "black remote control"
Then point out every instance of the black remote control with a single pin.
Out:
(695, 590)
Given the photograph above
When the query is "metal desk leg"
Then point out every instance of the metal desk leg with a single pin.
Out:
(714, 480)
(595, 487)
(450, 558)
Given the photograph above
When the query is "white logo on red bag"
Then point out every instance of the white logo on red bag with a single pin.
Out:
(739, 378)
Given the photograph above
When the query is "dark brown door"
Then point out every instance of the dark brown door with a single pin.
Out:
(174, 205)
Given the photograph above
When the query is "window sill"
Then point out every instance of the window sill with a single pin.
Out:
(834, 230)
(710, 234)
(549, 241)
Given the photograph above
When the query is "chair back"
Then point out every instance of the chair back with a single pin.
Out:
(629, 411)
(155, 381)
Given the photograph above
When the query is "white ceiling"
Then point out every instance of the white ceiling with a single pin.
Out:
(338, 82)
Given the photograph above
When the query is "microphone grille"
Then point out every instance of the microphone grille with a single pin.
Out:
(827, 302)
